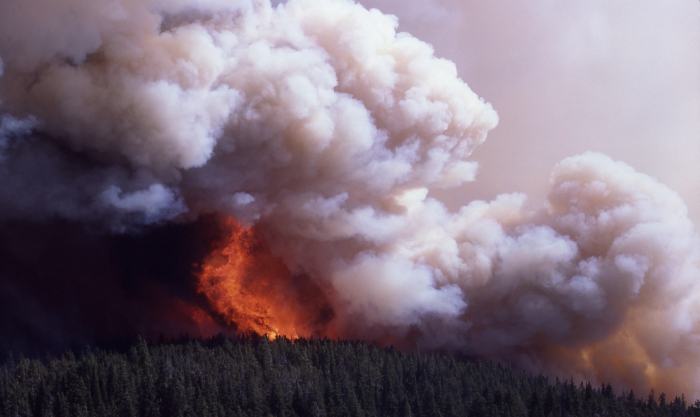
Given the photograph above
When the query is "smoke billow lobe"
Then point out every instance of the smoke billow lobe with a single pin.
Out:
(323, 127)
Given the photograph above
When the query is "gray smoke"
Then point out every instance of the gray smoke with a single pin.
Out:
(320, 124)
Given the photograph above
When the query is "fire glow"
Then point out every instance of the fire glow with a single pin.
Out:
(252, 290)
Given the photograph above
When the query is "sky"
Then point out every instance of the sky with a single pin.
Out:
(622, 78)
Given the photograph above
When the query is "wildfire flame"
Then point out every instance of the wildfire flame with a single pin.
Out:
(251, 289)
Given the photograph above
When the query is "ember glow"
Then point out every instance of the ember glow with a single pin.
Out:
(317, 137)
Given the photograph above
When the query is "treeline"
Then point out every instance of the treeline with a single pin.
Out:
(253, 376)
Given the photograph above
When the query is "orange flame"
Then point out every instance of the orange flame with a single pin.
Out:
(247, 286)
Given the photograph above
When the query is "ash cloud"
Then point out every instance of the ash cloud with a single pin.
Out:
(322, 126)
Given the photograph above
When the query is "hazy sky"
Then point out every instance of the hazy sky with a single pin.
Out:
(618, 77)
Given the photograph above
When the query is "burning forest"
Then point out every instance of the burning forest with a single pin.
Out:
(172, 167)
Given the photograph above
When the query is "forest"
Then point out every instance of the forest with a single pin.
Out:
(255, 376)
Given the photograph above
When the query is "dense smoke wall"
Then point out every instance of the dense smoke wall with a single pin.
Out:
(325, 129)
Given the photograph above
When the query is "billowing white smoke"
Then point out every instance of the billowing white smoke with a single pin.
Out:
(319, 123)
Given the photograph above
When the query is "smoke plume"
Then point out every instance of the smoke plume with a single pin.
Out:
(322, 129)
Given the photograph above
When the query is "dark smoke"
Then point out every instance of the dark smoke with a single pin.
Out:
(63, 286)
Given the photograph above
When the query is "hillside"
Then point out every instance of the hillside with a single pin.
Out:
(254, 376)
